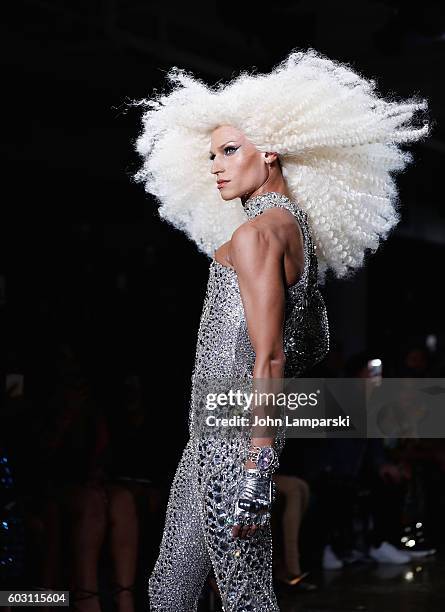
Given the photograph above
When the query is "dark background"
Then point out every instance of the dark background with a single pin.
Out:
(84, 256)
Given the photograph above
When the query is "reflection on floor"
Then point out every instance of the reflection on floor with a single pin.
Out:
(418, 586)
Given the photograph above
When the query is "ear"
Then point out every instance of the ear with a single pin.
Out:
(269, 157)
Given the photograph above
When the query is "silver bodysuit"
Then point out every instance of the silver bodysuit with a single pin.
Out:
(197, 536)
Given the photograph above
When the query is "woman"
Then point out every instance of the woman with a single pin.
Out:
(259, 173)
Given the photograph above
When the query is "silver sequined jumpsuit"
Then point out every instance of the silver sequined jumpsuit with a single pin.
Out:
(196, 535)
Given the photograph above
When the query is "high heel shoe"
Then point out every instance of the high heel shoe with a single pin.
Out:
(297, 582)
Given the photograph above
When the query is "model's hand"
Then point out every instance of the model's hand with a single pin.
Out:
(254, 501)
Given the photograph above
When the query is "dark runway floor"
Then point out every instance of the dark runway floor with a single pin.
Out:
(418, 586)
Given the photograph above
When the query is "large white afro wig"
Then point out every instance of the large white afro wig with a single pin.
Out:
(336, 139)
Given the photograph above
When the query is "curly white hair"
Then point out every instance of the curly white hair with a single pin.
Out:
(337, 141)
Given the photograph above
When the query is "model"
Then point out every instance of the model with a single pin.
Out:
(278, 178)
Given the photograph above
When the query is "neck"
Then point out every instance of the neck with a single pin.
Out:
(274, 183)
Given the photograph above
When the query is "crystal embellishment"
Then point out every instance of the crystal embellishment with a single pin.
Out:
(265, 458)
(204, 489)
(257, 204)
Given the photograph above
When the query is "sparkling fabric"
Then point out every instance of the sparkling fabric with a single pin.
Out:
(197, 535)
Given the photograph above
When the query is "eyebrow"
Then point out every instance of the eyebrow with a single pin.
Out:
(221, 146)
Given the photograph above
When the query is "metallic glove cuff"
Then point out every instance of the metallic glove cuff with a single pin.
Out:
(255, 498)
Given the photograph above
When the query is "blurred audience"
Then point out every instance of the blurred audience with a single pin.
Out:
(92, 495)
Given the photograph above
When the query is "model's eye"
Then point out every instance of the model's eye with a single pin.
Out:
(212, 157)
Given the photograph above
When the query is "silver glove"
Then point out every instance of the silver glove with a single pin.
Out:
(256, 494)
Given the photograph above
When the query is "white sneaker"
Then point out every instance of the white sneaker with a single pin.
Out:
(330, 559)
(387, 553)
(353, 556)
(418, 554)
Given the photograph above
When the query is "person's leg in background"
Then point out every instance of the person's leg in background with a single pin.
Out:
(87, 517)
(335, 501)
(296, 500)
(50, 557)
(124, 539)
(151, 504)
(386, 502)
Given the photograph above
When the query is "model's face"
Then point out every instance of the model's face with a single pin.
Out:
(236, 160)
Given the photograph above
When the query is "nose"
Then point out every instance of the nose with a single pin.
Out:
(216, 167)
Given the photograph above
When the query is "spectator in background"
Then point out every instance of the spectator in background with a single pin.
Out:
(80, 498)
(349, 464)
(135, 463)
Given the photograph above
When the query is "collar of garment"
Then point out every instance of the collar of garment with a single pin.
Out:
(255, 205)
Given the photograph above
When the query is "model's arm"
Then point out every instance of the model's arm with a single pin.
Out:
(258, 263)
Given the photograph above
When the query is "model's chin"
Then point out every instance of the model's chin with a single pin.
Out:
(228, 194)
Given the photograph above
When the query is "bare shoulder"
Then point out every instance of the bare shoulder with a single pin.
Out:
(254, 241)
(272, 224)
(272, 240)
(247, 230)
